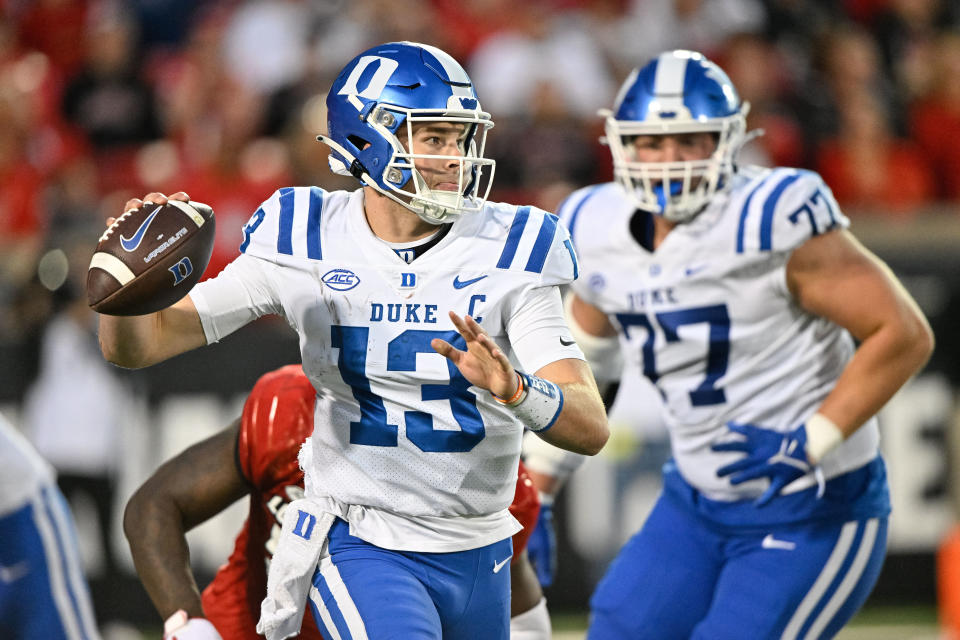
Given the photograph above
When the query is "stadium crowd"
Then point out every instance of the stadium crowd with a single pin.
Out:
(102, 99)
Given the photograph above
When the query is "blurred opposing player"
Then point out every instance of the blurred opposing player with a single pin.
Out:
(739, 292)
(43, 593)
(404, 530)
(257, 456)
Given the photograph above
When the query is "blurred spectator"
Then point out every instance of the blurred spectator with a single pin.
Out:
(868, 168)
(546, 149)
(164, 24)
(470, 23)
(935, 119)
(22, 219)
(847, 64)
(511, 68)
(56, 29)
(108, 99)
(760, 75)
(266, 43)
(905, 32)
(652, 26)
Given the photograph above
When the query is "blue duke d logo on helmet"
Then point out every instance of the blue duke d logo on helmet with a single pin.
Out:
(362, 71)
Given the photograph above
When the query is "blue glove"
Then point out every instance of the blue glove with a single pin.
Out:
(542, 546)
(782, 457)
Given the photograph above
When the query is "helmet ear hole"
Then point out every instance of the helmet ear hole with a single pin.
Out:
(358, 142)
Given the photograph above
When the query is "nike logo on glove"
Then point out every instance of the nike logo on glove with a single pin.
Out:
(460, 284)
(131, 244)
(499, 565)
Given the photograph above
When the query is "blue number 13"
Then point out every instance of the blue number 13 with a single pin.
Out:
(373, 429)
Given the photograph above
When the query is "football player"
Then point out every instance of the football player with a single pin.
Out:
(43, 593)
(257, 456)
(404, 529)
(773, 337)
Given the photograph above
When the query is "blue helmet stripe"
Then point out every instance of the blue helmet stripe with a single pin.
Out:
(671, 76)
(769, 207)
(538, 256)
(513, 237)
(285, 234)
(314, 250)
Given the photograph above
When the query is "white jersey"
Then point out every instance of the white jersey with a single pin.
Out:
(708, 318)
(403, 447)
(22, 471)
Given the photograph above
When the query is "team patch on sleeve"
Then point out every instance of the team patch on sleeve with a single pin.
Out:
(538, 244)
(784, 209)
(288, 223)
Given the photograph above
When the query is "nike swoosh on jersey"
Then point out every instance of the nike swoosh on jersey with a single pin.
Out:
(567, 343)
(131, 244)
(460, 284)
(499, 565)
(769, 542)
(14, 572)
(689, 271)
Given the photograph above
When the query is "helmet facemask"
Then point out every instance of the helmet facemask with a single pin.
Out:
(679, 190)
(401, 181)
(408, 182)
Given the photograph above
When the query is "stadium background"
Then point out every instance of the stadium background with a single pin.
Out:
(101, 101)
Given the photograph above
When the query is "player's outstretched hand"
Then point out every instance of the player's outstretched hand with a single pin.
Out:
(483, 363)
(782, 457)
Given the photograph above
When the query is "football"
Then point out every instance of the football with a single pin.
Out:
(150, 257)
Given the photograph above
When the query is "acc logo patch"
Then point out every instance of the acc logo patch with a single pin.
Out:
(340, 279)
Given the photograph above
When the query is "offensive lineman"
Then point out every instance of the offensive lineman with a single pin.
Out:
(739, 293)
(404, 530)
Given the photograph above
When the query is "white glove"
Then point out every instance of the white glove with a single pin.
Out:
(180, 627)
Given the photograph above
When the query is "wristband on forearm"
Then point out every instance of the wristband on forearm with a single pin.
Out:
(823, 436)
(537, 403)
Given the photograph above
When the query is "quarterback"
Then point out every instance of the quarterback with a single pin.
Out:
(432, 330)
(773, 338)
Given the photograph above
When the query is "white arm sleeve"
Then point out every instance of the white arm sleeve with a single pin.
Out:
(241, 293)
(537, 330)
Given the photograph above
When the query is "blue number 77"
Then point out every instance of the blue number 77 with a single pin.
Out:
(718, 351)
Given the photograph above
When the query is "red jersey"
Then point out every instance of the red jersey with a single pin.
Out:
(277, 418)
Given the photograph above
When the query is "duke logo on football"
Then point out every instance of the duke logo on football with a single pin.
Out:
(181, 271)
